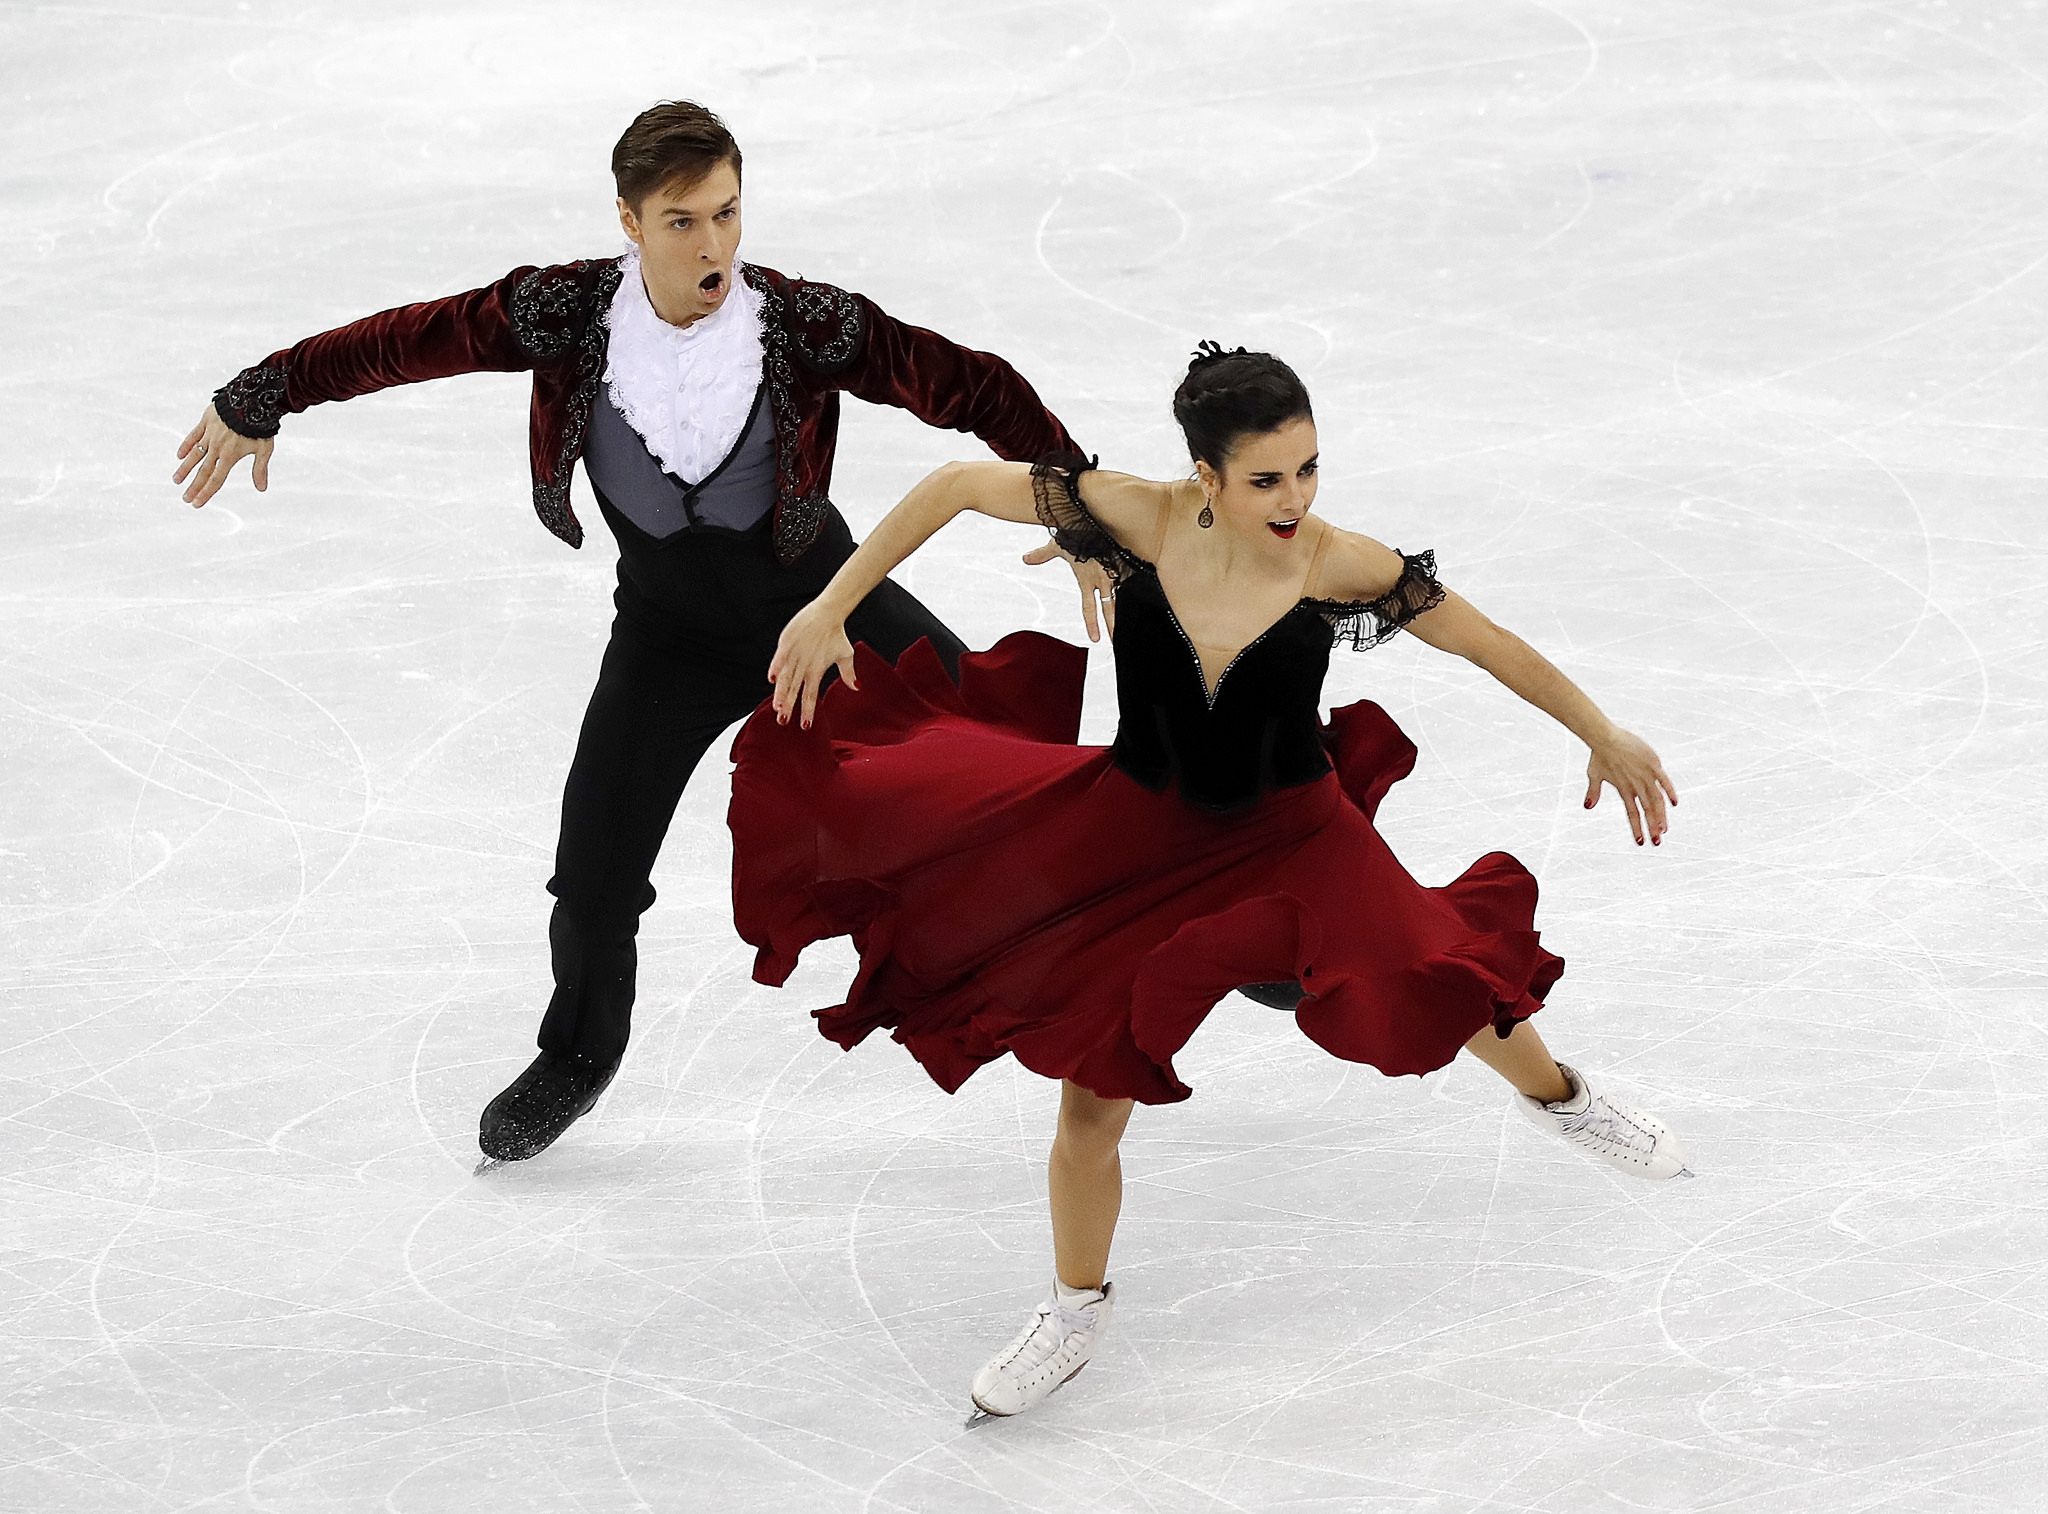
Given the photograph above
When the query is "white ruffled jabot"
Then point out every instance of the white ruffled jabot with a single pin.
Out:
(685, 390)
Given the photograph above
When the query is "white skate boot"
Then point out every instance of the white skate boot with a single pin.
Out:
(1607, 1129)
(1056, 1344)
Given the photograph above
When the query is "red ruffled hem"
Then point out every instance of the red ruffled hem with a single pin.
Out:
(1011, 892)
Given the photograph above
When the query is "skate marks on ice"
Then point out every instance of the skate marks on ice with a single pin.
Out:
(1701, 343)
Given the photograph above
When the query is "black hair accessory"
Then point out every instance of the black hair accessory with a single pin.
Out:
(1209, 352)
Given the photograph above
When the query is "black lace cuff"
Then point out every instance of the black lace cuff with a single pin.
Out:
(1057, 496)
(1368, 622)
(252, 402)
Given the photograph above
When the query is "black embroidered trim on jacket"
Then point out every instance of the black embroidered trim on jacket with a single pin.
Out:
(1368, 622)
(797, 519)
(829, 328)
(252, 402)
(551, 500)
(544, 311)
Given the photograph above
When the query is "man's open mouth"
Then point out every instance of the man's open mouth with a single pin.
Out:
(712, 283)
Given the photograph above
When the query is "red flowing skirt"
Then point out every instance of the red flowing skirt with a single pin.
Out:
(1010, 891)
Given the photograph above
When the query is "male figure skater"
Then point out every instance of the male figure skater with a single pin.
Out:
(702, 396)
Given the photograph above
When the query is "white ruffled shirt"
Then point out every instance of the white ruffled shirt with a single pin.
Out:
(686, 391)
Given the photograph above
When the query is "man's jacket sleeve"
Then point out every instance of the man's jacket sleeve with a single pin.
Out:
(945, 384)
(518, 322)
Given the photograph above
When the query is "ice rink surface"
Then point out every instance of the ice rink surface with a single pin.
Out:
(1703, 342)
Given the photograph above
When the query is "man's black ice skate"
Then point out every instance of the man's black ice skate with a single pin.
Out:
(1284, 996)
(542, 1102)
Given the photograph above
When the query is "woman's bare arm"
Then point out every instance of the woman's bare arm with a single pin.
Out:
(1361, 568)
(815, 638)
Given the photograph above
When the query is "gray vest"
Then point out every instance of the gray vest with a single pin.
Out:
(737, 495)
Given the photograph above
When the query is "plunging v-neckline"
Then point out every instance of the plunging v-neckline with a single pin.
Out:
(1212, 692)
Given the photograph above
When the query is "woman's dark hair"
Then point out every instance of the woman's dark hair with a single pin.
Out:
(1229, 395)
(675, 143)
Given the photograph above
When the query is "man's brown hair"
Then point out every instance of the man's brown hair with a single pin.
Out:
(670, 145)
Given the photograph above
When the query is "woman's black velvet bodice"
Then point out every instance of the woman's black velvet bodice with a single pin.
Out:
(1261, 727)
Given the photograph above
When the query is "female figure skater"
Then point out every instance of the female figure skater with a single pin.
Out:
(1083, 908)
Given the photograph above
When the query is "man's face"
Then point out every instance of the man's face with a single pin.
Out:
(687, 238)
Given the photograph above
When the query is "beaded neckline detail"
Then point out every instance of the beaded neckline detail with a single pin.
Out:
(1213, 692)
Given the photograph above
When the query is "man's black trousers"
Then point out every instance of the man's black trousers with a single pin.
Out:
(698, 617)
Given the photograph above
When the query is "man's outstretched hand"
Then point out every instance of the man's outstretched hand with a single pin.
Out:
(209, 453)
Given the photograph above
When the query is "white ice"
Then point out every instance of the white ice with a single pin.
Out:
(1702, 339)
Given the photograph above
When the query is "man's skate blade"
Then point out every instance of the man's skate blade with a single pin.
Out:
(489, 1164)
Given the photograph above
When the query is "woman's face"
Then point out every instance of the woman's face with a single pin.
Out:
(1267, 483)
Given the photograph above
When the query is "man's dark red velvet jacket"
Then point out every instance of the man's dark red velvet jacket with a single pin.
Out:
(817, 340)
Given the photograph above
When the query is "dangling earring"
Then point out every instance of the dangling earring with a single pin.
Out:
(1208, 516)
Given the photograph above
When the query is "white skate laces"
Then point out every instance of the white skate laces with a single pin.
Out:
(1608, 1130)
(1046, 1353)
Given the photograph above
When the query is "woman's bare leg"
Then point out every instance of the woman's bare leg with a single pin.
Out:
(1086, 1181)
(1523, 1060)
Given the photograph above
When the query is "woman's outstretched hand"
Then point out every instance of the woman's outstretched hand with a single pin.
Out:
(1097, 587)
(213, 448)
(812, 643)
(1625, 762)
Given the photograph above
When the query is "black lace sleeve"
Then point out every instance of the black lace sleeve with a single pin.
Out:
(1079, 534)
(1368, 622)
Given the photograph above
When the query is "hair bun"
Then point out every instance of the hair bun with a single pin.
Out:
(1254, 392)
(1209, 352)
